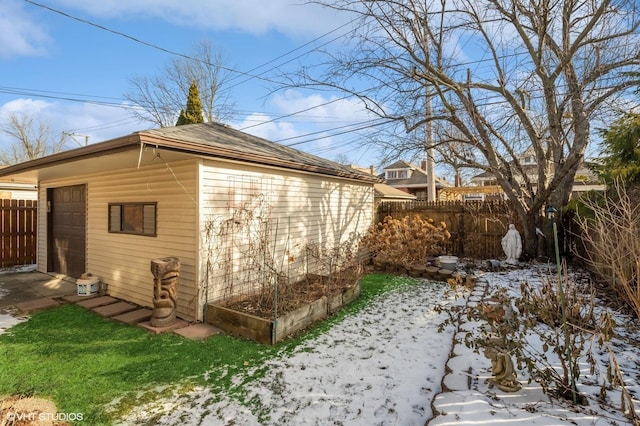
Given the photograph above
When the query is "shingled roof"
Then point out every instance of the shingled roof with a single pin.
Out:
(207, 140)
(225, 142)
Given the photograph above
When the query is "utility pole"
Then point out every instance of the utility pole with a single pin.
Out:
(428, 134)
(73, 135)
(428, 143)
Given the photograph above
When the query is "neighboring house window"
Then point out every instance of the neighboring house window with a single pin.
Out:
(133, 218)
(397, 174)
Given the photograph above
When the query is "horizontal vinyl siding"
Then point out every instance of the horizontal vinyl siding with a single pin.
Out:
(307, 209)
(123, 261)
(16, 194)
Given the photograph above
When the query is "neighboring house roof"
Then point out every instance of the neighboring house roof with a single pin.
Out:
(386, 192)
(418, 177)
(10, 189)
(208, 140)
(401, 164)
(583, 175)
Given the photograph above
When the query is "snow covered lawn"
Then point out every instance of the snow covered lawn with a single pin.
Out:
(472, 401)
(382, 366)
(385, 366)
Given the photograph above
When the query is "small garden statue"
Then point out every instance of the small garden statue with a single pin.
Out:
(165, 292)
(504, 372)
(512, 245)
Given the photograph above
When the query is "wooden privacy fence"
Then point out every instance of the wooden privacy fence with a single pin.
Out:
(476, 227)
(18, 232)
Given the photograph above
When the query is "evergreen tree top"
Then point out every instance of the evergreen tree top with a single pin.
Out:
(193, 111)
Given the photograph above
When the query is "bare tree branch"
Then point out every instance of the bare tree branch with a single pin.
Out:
(162, 96)
(32, 137)
(508, 75)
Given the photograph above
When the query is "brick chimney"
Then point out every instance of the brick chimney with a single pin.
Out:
(423, 165)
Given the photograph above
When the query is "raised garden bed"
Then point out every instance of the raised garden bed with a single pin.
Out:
(246, 319)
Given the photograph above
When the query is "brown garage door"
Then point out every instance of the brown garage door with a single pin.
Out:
(67, 233)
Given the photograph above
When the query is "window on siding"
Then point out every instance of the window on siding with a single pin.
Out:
(397, 174)
(133, 218)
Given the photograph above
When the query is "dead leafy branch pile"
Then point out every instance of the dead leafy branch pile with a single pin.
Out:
(396, 244)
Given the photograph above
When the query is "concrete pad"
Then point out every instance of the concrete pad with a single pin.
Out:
(157, 330)
(198, 331)
(19, 287)
(98, 301)
(53, 287)
(114, 309)
(16, 296)
(134, 317)
(36, 305)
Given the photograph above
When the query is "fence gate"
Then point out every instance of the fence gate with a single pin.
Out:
(18, 232)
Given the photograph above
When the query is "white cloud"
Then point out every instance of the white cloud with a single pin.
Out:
(20, 34)
(333, 111)
(320, 130)
(261, 125)
(291, 18)
(320, 117)
(23, 106)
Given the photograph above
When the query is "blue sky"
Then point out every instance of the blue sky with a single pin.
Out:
(47, 59)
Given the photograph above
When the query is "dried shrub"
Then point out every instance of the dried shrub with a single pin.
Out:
(611, 233)
(549, 345)
(406, 241)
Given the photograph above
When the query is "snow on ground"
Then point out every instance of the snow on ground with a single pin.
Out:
(385, 366)
(7, 317)
(20, 268)
(472, 401)
(8, 321)
(381, 366)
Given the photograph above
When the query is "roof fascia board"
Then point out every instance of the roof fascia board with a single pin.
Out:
(114, 145)
(136, 139)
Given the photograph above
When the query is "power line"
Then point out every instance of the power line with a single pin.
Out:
(48, 94)
(346, 126)
(71, 97)
(145, 43)
(292, 51)
(369, 126)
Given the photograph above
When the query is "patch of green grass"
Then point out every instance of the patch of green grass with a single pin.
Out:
(83, 362)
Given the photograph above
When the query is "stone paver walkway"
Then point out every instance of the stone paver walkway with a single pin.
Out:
(461, 368)
(27, 292)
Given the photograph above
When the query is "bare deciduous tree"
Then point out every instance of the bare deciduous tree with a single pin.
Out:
(161, 97)
(506, 75)
(32, 138)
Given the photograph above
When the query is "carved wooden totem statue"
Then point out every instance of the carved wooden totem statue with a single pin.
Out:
(165, 290)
